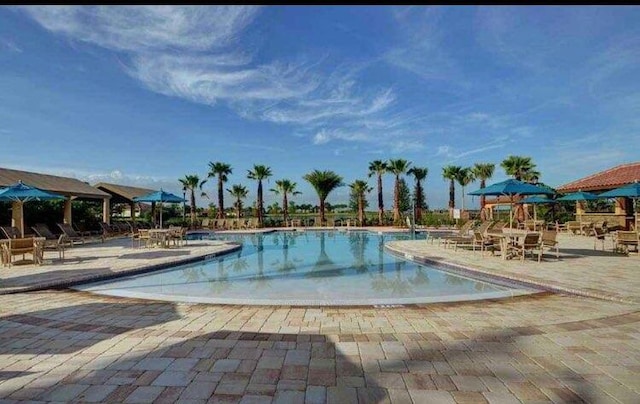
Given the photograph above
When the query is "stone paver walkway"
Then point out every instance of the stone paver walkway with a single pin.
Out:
(580, 269)
(63, 346)
(94, 261)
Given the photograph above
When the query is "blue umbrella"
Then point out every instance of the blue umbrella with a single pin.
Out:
(628, 191)
(536, 200)
(512, 188)
(22, 193)
(580, 196)
(159, 196)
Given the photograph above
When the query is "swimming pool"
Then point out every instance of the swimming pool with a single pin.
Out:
(305, 268)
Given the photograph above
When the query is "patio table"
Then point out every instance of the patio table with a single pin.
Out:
(506, 237)
(160, 235)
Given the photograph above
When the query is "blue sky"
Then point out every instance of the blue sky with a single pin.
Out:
(143, 96)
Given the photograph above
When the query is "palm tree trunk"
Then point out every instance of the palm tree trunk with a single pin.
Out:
(193, 208)
(419, 203)
(483, 201)
(285, 208)
(380, 201)
(452, 197)
(321, 212)
(361, 209)
(238, 208)
(259, 207)
(220, 200)
(396, 201)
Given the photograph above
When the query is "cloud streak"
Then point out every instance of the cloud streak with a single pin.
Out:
(192, 53)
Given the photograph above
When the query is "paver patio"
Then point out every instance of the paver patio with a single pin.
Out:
(72, 346)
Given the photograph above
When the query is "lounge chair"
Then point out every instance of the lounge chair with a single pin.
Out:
(108, 231)
(463, 232)
(530, 242)
(11, 232)
(467, 239)
(51, 241)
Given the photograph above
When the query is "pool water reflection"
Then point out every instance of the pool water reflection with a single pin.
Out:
(305, 268)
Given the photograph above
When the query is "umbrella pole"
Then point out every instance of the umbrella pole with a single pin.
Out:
(21, 203)
(161, 215)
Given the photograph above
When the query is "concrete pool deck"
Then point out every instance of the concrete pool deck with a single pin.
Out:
(65, 346)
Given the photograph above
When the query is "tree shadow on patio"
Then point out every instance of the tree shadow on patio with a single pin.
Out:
(223, 366)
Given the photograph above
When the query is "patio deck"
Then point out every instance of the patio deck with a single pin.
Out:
(554, 348)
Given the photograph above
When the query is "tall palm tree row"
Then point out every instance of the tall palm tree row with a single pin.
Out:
(378, 168)
(464, 178)
(285, 187)
(259, 173)
(482, 172)
(419, 174)
(451, 173)
(221, 171)
(324, 182)
(191, 182)
(360, 188)
(397, 167)
(239, 192)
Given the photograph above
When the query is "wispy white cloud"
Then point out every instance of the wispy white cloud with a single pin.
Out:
(192, 53)
(10, 45)
(147, 28)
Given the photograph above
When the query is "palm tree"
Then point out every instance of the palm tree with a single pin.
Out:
(377, 168)
(323, 182)
(191, 182)
(221, 171)
(483, 171)
(419, 173)
(521, 168)
(360, 188)
(397, 167)
(464, 178)
(451, 173)
(285, 187)
(259, 173)
(239, 192)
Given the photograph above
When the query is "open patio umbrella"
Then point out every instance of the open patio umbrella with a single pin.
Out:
(512, 188)
(536, 200)
(578, 197)
(159, 196)
(22, 193)
(627, 191)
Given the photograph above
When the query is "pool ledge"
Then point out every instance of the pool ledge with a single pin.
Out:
(490, 275)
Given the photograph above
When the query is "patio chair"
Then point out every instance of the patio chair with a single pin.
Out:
(20, 246)
(549, 240)
(467, 239)
(11, 232)
(530, 242)
(142, 236)
(177, 235)
(573, 227)
(598, 235)
(625, 239)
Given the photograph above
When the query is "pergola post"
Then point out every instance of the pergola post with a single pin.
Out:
(106, 211)
(16, 216)
(621, 206)
(132, 206)
(67, 210)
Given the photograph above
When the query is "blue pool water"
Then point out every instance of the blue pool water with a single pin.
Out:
(305, 268)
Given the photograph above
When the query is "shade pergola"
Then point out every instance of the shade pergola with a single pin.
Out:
(124, 194)
(69, 188)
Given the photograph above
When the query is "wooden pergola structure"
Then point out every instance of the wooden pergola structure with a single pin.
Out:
(70, 188)
(603, 181)
(123, 194)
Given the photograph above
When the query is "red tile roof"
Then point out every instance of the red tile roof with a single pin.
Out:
(608, 179)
